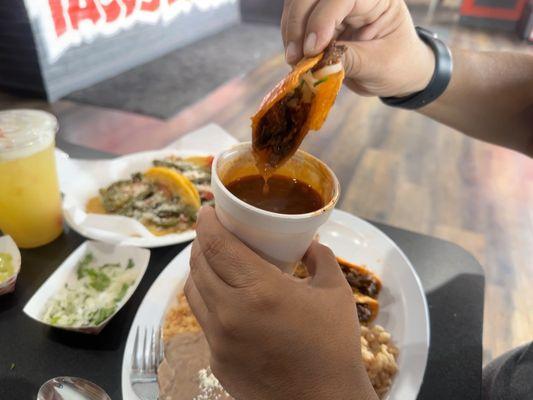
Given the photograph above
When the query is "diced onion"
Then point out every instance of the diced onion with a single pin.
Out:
(327, 71)
(309, 79)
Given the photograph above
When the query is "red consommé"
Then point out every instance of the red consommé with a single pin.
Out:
(285, 195)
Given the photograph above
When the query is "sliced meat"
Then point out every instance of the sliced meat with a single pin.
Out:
(363, 313)
(367, 308)
(360, 279)
(280, 127)
(365, 284)
(332, 55)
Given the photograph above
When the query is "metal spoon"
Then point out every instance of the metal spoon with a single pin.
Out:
(69, 388)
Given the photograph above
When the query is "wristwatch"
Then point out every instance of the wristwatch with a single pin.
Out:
(439, 81)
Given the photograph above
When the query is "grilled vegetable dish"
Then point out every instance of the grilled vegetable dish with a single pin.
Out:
(195, 169)
(165, 198)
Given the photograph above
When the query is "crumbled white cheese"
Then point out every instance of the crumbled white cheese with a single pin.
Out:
(210, 387)
(194, 174)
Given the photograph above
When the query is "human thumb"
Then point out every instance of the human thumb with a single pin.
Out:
(322, 265)
(353, 59)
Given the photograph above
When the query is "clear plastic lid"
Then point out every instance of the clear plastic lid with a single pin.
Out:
(24, 132)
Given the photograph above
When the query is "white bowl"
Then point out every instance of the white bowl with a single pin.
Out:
(8, 245)
(104, 253)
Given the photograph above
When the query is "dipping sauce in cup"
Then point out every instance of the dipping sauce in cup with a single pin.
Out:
(281, 223)
(30, 201)
(281, 194)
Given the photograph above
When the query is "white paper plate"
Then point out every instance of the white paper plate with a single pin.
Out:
(81, 179)
(104, 253)
(403, 310)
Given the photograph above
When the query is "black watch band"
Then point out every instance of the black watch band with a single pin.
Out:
(439, 81)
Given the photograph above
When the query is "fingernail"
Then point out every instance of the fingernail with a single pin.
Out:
(310, 44)
(291, 53)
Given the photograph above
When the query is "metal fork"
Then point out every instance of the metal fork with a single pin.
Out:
(145, 361)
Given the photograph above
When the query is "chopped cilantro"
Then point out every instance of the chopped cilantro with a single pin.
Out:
(122, 292)
(111, 265)
(101, 315)
(99, 280)
(84, 263)
(131, 264)
(320, 81)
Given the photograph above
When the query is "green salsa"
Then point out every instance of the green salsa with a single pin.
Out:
(6, 266)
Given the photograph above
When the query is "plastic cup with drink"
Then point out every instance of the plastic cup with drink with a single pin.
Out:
(30, 201)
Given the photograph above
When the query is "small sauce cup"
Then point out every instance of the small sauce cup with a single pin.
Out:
(282, 239)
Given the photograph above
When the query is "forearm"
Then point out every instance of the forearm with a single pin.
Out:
(490, 97)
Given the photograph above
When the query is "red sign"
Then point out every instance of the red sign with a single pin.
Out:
(470, 8)
(67, 23)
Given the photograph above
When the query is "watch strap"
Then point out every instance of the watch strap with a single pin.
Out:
(439, 81)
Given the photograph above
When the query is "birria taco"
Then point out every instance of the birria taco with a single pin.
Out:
(296, 105)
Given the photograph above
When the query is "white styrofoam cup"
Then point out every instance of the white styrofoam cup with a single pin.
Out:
(281, 239)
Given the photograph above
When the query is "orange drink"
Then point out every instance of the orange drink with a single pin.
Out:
(30, 201)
